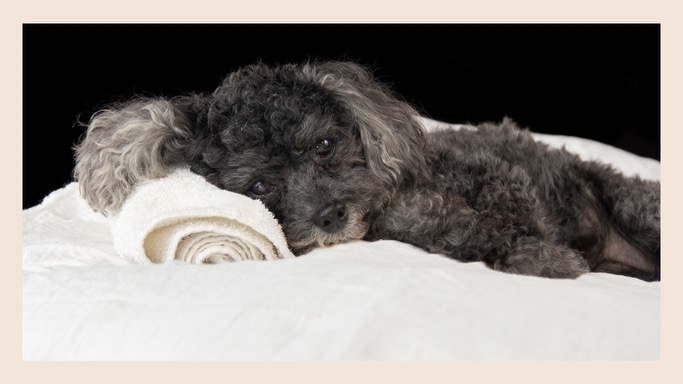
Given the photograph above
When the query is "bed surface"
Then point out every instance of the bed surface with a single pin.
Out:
(358, 301)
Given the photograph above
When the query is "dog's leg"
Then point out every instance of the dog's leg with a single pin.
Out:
(521, 245)
(531, 256)
(507, 232)
(511, 219)
(632, 205)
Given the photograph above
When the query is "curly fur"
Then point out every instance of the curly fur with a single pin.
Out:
(336, 156)
(126, 144)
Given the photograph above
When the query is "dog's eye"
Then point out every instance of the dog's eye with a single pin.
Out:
(261, 188)
(324, 147)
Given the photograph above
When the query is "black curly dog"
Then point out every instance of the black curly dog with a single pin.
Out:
(337, 157)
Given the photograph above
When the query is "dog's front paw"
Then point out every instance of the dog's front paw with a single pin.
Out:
(531, 256)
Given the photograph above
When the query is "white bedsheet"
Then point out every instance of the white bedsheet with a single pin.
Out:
(358, 301)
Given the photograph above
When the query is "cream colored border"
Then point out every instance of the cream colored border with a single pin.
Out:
(13, 15)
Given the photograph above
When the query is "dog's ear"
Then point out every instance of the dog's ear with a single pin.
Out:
(392, 136)
(128, 143)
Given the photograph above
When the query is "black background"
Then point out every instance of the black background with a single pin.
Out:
(596, 81)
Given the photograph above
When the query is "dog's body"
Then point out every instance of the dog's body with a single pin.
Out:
(336, 157)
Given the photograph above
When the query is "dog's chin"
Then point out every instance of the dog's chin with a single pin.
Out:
(313, 237)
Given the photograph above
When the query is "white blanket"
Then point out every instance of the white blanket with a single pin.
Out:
(358, 301)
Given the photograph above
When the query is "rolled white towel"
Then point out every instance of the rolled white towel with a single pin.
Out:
(183, 217)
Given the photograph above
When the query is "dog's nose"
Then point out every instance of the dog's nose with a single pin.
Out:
(332, 217)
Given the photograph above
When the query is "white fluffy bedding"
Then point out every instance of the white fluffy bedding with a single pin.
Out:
(358, 301)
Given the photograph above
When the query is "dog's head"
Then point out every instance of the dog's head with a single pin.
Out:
(323, 145)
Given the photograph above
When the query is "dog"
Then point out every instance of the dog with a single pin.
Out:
(337, 156)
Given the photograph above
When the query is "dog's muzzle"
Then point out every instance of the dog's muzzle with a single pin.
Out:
(332, 217)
